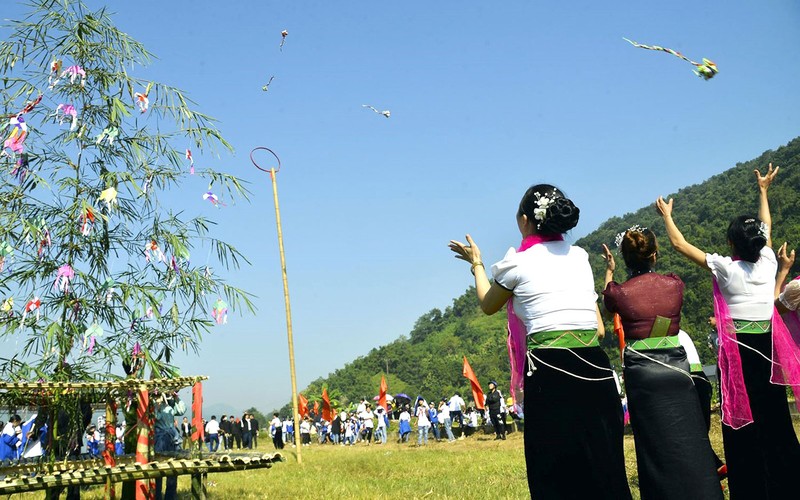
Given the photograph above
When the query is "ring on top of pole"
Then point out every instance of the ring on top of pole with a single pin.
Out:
(267, 170)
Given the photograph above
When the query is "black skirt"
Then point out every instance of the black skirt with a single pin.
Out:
(763, 457)
(573, 428)
(674, 457)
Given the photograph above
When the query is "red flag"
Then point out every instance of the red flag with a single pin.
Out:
(382, 394)
(316, 408)
(620, 335)
(302, 405)
(477, 392)
(326, 406)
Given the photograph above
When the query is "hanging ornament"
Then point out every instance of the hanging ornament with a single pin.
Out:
(220, 312)
(35, 304)
(64, 276)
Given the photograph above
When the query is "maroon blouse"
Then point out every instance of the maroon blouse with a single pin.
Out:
(640, 299)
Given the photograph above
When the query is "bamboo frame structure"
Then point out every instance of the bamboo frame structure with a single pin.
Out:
(101, 474)
(144, 466)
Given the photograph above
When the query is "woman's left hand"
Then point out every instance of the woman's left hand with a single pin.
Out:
(610, 264)
(785, 259)
(765, 180)
(468, 252)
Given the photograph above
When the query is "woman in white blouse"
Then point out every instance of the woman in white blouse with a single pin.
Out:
(573, 425)
(761, 448)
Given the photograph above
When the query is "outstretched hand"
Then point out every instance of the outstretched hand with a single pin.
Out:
(764, 181)
(785, 259)
(468, 252)
(664, 208)
(609, 257)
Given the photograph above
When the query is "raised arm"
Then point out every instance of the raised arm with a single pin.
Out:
(785, 261)
(491, 296)
(763, 202)
(675, 236)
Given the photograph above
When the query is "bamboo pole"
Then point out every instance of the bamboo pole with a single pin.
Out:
(296, 419)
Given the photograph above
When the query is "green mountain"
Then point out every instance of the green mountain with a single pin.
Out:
(429, 360)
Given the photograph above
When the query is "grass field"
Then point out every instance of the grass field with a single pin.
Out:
(476, 467)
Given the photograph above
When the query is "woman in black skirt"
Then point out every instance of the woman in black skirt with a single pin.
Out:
(761, 447)
(573, 418)
(673, 453)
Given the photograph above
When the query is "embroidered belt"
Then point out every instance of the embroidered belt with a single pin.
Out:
(655, 343)
(745, 326)
(564, 338)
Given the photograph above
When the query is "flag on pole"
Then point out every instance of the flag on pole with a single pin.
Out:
(302, 405)
(620, 332)
(382, 393)
(477, 392)
(316, 408)
(326, 405)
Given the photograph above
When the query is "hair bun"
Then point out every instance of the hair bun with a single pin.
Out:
(562, 215)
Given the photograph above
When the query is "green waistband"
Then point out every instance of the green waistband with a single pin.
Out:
(655, 343)
(745, 326)
(563, 338)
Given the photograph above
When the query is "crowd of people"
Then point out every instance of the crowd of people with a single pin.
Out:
(369, 425)
(574, 421)
(228, 433)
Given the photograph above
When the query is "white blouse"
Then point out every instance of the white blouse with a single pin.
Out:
(747, 287)
(553, 287)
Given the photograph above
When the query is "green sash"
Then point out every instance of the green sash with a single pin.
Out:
(745, 326)
(655, 343)
(571, 339)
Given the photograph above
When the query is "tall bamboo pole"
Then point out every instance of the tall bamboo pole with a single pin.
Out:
(296, 414)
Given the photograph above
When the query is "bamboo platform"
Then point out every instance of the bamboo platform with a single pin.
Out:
(83, 472)
(129, 383)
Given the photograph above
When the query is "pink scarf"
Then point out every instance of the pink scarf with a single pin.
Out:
(736, 411)
(517, 333)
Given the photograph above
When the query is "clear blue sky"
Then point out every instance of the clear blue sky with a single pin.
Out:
(486, 99)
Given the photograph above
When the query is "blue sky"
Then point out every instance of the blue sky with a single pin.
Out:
(487, 98)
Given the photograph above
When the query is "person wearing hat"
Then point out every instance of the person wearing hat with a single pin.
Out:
(494, 402)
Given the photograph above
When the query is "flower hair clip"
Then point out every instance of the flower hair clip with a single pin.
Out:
(543, 202)
(763, 229)
(636, 228)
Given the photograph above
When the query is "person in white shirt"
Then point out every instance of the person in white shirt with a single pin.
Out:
(404, 421)
(380, 429)
(573, 418)
(761, 447)
(366, 417)
(444, 418)
(423, 422)
(276, 429)
(305, 432)
(212, 430)
(457, 406)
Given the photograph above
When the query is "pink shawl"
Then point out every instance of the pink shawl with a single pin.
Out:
(736, 411)
(517, 333)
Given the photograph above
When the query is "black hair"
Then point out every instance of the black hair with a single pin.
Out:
(638, 247)
(560, 214)
(15, 418)
(747, 238)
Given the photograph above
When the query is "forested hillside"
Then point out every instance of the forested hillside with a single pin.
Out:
(429, 360)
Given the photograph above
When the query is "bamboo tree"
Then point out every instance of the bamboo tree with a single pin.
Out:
(163, 305)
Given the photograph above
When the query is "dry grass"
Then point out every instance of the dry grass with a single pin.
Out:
(477, 467)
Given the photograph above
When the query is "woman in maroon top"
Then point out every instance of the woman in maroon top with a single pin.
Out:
(673, 453)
